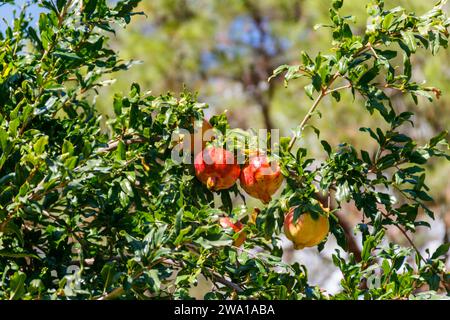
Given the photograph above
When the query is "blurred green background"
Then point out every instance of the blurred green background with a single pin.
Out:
(226, 50)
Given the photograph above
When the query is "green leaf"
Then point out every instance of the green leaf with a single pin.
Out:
(36, 286)
(441, 250)
(134, 117)
(3, 139)
(366, 157)
(388, 54)
(17, 285)
(368, 246)
(47, 106)
(126, 187)
(208, 244)
(337, 4)
(181, 234)
(410, 40)
(117, 104)
(343, 192)
(339, 234)
(368, 76)
(108, 271)
(317, 82)
(154, 276)
(309, 91)
(67, 148)
(278, 71)
(121, 151)
(326, 146)
(71, 162)
(179, 220)
(336, 95)
(4, 253)
(68, 56)
(40, 144)
(438, 138)
(343, 65)
(12, 228)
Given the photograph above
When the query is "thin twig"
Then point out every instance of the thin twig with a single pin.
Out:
(322, 94)
(339, 88)
(217, 277)
(369, 45)
(112, 145)
(407, 237)
(306, 118)
(222, 280)
(117, 292)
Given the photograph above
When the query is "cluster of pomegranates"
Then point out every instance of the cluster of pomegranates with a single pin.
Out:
(218, 169)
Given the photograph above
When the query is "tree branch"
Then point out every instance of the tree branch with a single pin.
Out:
(406, 236)
(112, 145)
(311, 110)
(346, 226)
(218, 278)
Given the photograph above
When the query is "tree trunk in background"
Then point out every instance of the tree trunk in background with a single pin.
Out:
(263, 101)
(263, 66)
(266, 115)
(351, 241)
(346, 226)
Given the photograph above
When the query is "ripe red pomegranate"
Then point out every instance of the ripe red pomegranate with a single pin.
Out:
(226, 222)
(260, 178)
(217, 168)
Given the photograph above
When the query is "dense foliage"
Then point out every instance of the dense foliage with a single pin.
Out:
(95, 209)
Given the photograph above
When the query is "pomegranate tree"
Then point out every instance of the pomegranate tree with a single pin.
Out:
(217, 168)
(100, 210)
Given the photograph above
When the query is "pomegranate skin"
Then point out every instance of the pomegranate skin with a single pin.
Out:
(306, 231)
(217, 168)
(226, 222)
(259, 179)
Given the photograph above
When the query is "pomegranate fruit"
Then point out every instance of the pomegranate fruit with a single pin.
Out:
(216, 168)
(227, 223)
(306, 231)
(261, 179)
